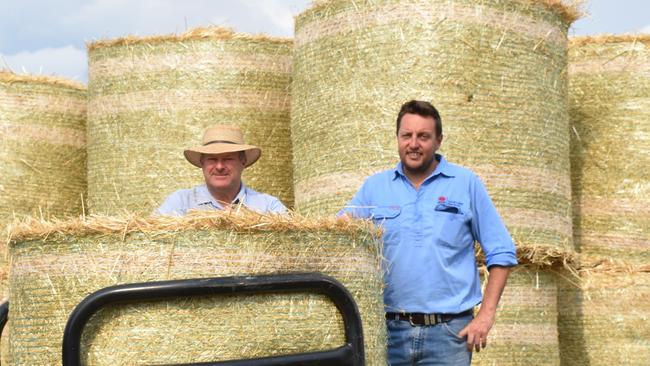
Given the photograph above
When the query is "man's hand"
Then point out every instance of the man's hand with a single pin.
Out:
(477, 331)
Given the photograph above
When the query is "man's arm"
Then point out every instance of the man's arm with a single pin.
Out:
(477, 330)
(276, 207)
(500, 254)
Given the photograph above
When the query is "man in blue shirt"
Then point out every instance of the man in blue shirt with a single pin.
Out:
(432, 212)
(222, 157)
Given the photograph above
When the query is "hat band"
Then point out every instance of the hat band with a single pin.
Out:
(219, 142)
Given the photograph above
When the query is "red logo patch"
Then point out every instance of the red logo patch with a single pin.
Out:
(442, 199)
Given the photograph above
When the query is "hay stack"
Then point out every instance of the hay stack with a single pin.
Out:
(149, 98)
(610, 151)
(495, 69)
(42, 150)
(57, 265)
(525, 332)
(604, 319)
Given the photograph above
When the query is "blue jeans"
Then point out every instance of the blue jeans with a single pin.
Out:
(429, 344)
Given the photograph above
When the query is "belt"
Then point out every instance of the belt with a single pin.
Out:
(426, 319)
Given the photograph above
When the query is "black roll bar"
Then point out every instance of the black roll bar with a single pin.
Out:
(349, 354)
(4, 315)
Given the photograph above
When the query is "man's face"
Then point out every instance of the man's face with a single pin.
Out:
(417, 142)
(223, 171)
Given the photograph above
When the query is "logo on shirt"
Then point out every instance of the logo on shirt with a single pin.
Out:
(446, 205)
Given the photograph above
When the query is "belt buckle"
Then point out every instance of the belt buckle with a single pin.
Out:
(411, 320)
(430, 319)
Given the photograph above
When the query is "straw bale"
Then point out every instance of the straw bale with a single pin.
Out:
(525, 331)
(152, 97)
(610, 145)
(42, 150)
(56, 264)
(495, 69)
(42, 153)
(604, 319)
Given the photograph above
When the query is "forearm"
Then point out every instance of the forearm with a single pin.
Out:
(496, 282)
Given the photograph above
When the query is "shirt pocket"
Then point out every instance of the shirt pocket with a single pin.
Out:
(451, 227)
(388, 218)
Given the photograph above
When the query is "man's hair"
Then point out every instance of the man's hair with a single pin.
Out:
(423, 109)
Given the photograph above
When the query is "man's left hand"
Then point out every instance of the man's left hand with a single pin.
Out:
(477, 331)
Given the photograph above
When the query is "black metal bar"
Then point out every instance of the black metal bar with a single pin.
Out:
(4, 315)
(350, 354)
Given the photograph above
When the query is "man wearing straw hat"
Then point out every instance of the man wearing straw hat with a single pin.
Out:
(222, 157)
(432, 212)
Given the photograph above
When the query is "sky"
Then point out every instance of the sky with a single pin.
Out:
(48, 37)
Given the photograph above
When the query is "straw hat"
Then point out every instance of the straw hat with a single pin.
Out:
(222, 139)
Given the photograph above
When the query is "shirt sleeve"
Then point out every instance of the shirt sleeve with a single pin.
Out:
(359, 205)
(488, 228)
(277, 207)
(172, 206)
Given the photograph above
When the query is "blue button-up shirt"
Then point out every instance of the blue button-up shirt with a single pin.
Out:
(199, 198)
(429, 236)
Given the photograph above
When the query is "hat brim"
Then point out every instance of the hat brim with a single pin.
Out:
(193, 155)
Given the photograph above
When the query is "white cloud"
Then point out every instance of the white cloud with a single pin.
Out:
(69, 62)
(645, 29)
(116, 18)
(51, 41)
(278, 12)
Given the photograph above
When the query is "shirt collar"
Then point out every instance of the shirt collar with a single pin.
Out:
(443, 168)
(204, 197)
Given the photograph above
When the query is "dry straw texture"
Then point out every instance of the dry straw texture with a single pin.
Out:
(525, 332)
(150, 98)
(55, 265)
(42, 149)
(610, 150)
(495, 69)
(604, 321)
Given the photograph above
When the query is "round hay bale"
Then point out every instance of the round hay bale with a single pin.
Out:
(56, 265)
(603, 319)
(42, 150)
(495, 69)
(150, 98)
(525, 332)
(609, 84)
(42, 156)
(42, 146)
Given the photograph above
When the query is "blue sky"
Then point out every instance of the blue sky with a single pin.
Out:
(48, 37)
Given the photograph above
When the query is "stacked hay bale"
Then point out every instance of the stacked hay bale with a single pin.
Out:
(610, 150)
(526, 329)
(495, 69)
(42, 155)
(601, 316)
(149, 98)
(42, 150)
(56, 265)
(497, 72)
